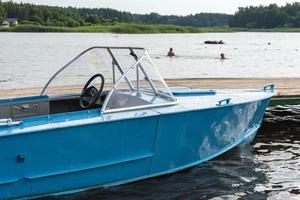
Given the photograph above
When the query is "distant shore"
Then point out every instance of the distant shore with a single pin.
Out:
(139, 29)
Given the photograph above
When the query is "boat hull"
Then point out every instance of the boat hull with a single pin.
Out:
(121, 151)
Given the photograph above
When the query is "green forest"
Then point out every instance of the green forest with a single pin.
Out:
(53, 18)
(74, 17)
(271, 16)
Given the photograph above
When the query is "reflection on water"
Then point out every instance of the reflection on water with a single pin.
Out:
(267, 169)
(278, 148)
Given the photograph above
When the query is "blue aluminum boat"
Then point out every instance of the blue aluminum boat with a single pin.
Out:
(108, 118)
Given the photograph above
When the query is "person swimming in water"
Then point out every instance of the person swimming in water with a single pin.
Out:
(171, 53)
(223, 56)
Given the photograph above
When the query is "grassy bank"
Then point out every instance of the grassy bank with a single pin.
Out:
(139, 28)
(118, 28)
(288, 30)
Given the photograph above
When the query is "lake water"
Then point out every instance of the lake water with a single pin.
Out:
(29, 59)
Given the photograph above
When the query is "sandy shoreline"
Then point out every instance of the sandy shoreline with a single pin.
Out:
(285, 86)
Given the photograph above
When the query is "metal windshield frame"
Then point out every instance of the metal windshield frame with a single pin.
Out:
(116, 65)
(138, 65)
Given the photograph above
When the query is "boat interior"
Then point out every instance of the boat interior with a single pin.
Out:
(18, 108)
(142, 89)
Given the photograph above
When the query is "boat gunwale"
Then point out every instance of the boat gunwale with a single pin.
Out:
(95, 120)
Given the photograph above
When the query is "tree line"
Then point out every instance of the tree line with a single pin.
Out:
(271, 16)
(72, 17)
(2, 15)
(248, 17)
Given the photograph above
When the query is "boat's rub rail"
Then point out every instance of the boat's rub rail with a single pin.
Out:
(9, 122)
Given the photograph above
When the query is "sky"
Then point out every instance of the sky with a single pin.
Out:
(165, 7)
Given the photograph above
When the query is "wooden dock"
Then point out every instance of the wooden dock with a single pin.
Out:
(284, 86)
(288, 88)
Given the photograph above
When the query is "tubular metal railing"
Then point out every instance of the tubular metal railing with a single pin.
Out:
(86, 51)
(116, 65)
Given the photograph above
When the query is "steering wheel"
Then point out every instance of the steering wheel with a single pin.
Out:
(90, 94)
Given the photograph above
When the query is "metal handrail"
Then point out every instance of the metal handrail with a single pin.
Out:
(269, 88)
(9, 122)
(224, 102)
(84, 52)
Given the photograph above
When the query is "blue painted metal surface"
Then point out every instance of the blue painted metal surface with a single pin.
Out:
(85, 149)
(193, 92)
